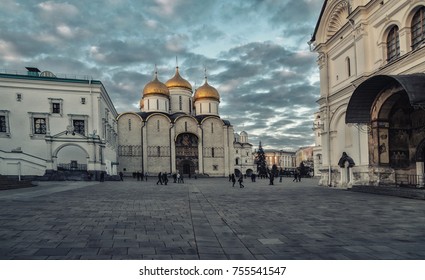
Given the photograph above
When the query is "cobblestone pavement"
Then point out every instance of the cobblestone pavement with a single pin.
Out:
(207, 219)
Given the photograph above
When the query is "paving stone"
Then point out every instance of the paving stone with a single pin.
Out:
(205, 219)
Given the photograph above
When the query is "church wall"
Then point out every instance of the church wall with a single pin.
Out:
(213, 137)
(158, 144)
(130, 143)
(186, 124)
(365, 42)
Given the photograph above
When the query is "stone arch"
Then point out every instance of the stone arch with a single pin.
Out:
(55, 153)
(337, 18)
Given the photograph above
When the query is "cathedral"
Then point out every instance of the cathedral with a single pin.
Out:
(178, 130)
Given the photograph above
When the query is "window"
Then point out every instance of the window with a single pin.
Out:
(393, 44)
(19, 97)
(158, 125)
(40, 126)
(39, 123)
(158, 150)
(79, 126)
(56, 105)
(212, 152)
(418, 28)
(215, 167)
(180, 103)
(3, 127)
(185, 126)
(190, 107)
(157, 104)
(348, 63)
(129, 124)
(83, 100)
(209, 107)
(237, 161)
(212, 128)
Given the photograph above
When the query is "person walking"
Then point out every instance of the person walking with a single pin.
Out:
(233, 179)
(159, 178)
(295, 176)
(271, 179)
(165, 178)
(178, 178)
(121, 176)
(240, 182)
(181, 178)
(146, 176)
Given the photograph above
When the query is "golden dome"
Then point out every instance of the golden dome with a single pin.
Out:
(207, 92)
(178, 81)
(155, 87)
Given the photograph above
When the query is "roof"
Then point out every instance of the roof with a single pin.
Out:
(173, 117)
(363, 97)
(313, 37)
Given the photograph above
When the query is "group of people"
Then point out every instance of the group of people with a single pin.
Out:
(233, 179)
(163, 178)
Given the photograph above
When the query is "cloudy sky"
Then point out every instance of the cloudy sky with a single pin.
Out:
(255, 53)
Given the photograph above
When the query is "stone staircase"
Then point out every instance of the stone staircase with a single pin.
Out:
(8, 183)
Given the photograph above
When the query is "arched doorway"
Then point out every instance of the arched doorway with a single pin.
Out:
(71, 158)
(187, 153)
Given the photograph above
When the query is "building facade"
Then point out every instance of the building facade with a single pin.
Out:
(51, 124)
(176, 130)
(370, 127)
(282, 159)
(243, 157)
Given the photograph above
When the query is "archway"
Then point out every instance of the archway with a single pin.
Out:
(71, 157)
(187, 153)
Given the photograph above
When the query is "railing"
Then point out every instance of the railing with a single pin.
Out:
(72, 167)
(407, 180)
(56, 75)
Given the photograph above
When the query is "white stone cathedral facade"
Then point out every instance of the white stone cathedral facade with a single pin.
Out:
(370, 127)
(178, 129)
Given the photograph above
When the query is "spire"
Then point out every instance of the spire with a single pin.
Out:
(205, 74)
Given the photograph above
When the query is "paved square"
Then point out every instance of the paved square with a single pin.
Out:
(207, 219)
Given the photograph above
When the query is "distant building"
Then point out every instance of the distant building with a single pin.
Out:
(243, 157)
(370, 127)
(282, 159)
(50, 124)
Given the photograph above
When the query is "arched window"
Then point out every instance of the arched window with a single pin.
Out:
(237, 161)
(348, 65)
(180, 103)
(418, 28)
(393, 44)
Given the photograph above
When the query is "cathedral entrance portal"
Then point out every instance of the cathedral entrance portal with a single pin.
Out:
(187, 153)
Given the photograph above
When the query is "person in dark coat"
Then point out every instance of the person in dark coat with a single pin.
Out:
(240, 182)
(233, 179)
(121, 176)
(271, 179)
(159, 178)
(165, 178)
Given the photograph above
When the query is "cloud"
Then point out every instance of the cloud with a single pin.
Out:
(255, 53)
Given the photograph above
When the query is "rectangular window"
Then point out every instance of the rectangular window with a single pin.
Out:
(158, 125)
(180, 103)
(215, 167)
(190, 107)
(212, 128)
(79, 126)
(129, 124)
(209, 107)
(83, 100)
(157, 104)
(40, 126)
(185, 126)
(19, 97)
(212, 152)
(3, 127)
(56, 108)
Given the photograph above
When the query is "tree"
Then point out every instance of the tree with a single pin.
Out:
(260, 160)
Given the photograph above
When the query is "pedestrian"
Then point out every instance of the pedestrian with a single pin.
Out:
(240, 182)
(165, 178)
(159, 178)
(175, 177)
(141, 176)
(146, 176)
(138, 175)
(121, 176)
(295, 176)
(271, 179)
(232, 177)
(178, 178)
(102, 176)
(181, 178)
(299, 175)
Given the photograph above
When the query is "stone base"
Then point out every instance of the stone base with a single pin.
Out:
(414, 193)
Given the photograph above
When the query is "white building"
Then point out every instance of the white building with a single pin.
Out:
(51, 124)
(176, 131)
(371, 56)
(243, 157)
(280, 158)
